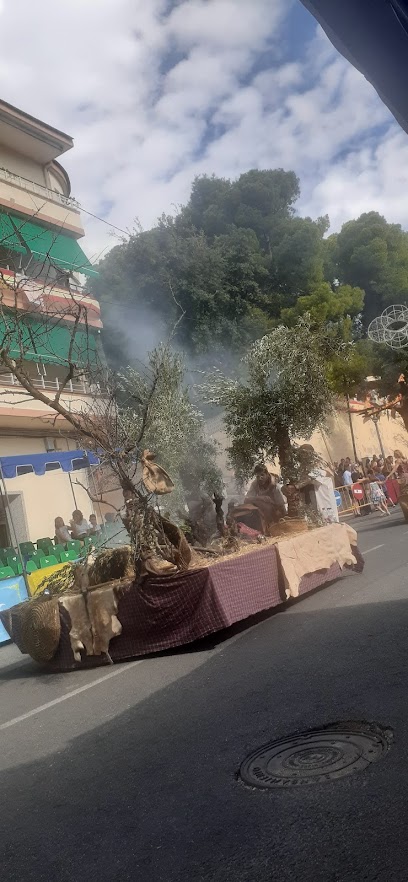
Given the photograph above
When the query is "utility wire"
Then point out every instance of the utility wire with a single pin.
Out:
(103, 221)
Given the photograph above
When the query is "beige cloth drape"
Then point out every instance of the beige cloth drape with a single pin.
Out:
(315, 550)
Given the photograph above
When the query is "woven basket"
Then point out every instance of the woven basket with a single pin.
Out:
(287, 526)
(40, 627)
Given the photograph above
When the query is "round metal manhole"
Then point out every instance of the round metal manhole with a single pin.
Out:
(316, 756)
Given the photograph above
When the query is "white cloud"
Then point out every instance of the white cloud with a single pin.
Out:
(154, 95)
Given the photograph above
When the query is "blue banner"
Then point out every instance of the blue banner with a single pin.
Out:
(12, 591)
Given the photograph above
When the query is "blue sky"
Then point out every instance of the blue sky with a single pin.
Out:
(156, 92)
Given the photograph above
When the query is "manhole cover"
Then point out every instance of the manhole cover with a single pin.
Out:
(316, 756)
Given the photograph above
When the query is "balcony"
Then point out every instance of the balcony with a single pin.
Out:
(31, 200)
(47, 296)
(46, 194)
(50, 385)
(20, 412)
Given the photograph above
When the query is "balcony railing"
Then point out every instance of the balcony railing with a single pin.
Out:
(45, 193)
(53, 385)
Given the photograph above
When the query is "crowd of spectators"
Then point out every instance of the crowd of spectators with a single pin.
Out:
(366, 480)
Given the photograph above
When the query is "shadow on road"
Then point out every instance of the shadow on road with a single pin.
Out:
(154, 795)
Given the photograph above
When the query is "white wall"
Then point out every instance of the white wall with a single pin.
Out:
(43, 497)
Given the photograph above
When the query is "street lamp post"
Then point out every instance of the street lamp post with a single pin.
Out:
(353, 440)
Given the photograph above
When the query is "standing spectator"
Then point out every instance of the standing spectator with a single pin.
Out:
(348, 483)
(376, 495)
(339, 473)
(388, 466)
(347, 476)
(380, 477)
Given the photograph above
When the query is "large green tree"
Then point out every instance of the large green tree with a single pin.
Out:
(229, 261)
(372, 254)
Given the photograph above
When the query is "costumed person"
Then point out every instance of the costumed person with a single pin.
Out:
(265, 495)
(319, 484)
(263, 505)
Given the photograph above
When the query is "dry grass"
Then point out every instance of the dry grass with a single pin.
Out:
(202, 560)
(112, 564)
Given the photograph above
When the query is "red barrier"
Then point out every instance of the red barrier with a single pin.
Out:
(393, 488)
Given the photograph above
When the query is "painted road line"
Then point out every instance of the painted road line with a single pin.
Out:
(373, 549)
(43, 707)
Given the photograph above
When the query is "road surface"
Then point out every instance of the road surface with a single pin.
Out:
(131, 773)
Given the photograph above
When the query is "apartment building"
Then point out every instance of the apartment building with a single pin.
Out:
(42, 268)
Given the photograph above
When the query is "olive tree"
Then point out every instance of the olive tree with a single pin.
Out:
(284, 394)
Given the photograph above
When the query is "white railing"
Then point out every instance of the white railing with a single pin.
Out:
(44, 192)
(80, 387)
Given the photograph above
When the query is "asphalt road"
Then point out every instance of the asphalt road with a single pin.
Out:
(131, 773)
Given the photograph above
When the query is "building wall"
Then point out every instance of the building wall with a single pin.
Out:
(22, 165)
(36, 500)
(335, 442)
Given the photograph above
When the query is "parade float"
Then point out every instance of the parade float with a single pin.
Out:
(161, 592)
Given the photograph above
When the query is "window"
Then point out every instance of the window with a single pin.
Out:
(24, 469)
(80, 464)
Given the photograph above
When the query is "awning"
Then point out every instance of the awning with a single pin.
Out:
(50, 245)
(67, 460)
(8, 236)
(42, 341)
(373, 36)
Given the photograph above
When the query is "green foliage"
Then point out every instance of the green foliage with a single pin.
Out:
(228, 261)
(347, 371)
(284, 395)
(372, 254)
(324, 305)
(253, 202)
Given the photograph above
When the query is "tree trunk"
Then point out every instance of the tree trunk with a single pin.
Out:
(285, 451)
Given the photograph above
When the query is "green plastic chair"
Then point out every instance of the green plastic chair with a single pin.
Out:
(9, 550)
(27, 548)
(58, 550)
(31, 567)
(68, 555)
(6, 573)
(15, 563)
(45, 545)
(74, 545)
(49, 561)
(36, 557)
